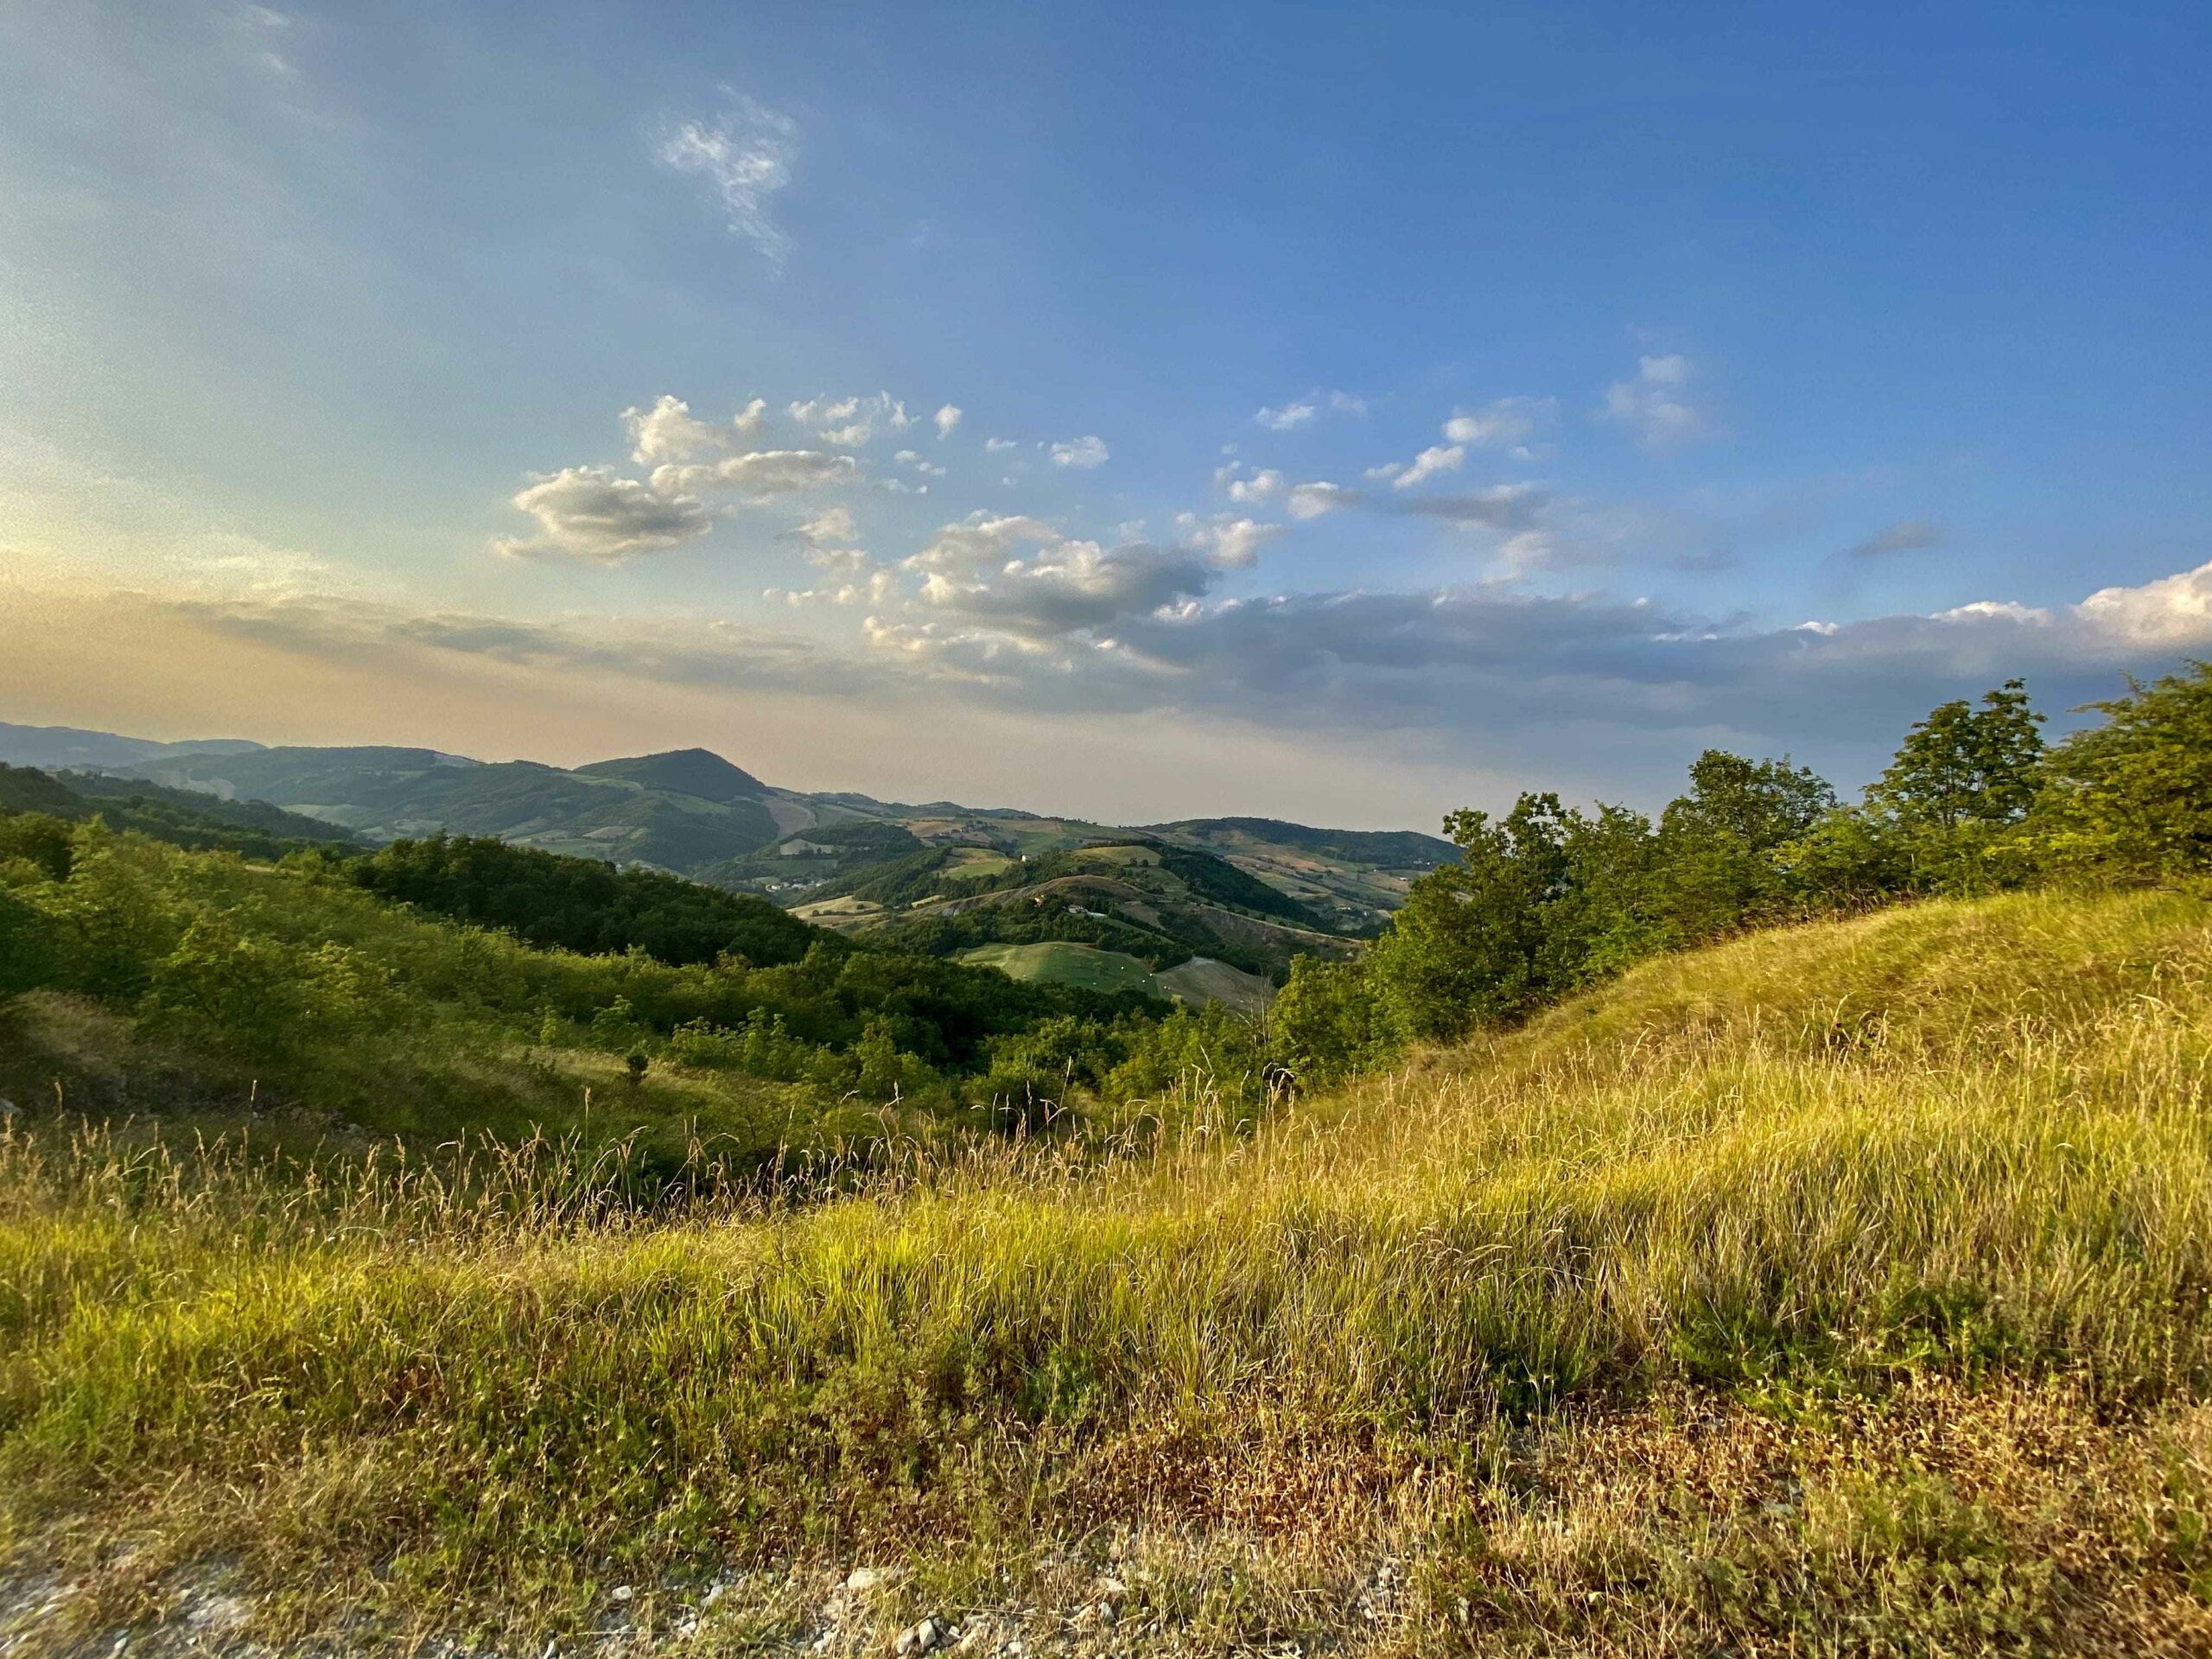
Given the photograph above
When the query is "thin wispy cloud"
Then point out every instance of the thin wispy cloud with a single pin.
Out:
(745, 154)
(1507, 423)
(1083, 453)
(1436, 458)
(1906, 535)
(1655, 403)
(1301, 411)
(1314, 499)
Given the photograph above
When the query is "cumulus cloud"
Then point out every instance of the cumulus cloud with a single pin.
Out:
(1312, 500)
(999, 446)
(913, 459)
(668, 431)
(1906, 535)
(762, 475)
(745, 154)
(850, 422)
(1255, 490)
(1083, 453)
(594, 515)
(947, 419)
(2171, 614)
(1232, 542)
(980, 542)
(1655, 405)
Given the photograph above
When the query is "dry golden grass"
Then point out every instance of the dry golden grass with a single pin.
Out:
(1840, 1289)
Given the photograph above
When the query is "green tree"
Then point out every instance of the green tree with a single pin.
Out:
(2132, 798)
(1965, 764)
(1963, 779)
(1328, 1023)
(1717, 863)
(1472, 942)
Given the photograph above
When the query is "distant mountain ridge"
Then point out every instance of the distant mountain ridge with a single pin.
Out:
(691, 812)
(65, 748)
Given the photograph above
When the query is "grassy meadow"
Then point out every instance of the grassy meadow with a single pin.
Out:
(1838, 1289)
(1067, 965)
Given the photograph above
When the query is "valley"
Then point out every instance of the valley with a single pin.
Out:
(1231, 900)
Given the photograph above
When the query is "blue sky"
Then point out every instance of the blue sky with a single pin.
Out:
(1360, 411)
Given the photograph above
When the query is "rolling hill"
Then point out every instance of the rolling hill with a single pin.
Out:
(693, 813)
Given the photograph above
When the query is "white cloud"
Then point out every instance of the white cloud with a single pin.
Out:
(850, 422)
(759, 476)
(999, 446)
(947, 419)
(667, 431)
(1288, 418)
(1509, 421)
(981, 541)
(2173, 613)
(1083, 453)
(1257, 489)
(1312, 500)
(1301, 411)
(877, 587)
(927, 468)
(745, 154)
(591, 514)
(1654, 403)
(1232, 542)
(1436, 458)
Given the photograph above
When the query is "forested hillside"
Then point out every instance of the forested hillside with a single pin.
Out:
(181, 818)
